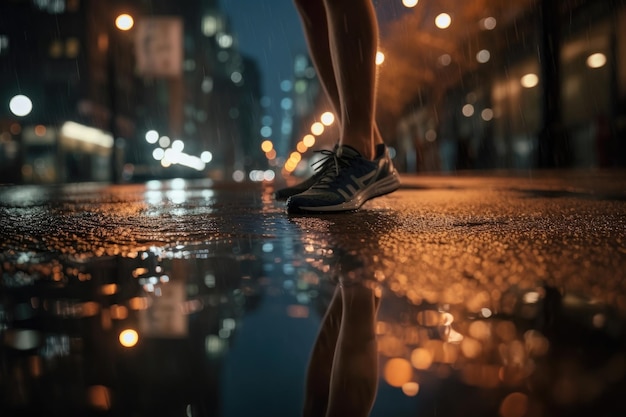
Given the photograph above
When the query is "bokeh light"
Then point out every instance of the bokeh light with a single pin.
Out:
(380, 58)
(483, 56)
(410, 389)
(20, 105)
(129, 338)
(597, 60)
(124, 22)
(488, 23)
(152, 136)
(327, 118)
(308, 140)
(529, 80)
(397, 372)
(514, 405)
(267, 146)
(443, 21)
(317, 128)
(468, 110)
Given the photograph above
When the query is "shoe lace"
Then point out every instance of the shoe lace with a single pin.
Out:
(329, 164)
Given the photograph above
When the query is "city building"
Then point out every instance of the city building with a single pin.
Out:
(491, 85)
(123, 90)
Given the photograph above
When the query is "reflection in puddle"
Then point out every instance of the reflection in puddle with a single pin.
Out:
(121, 334)
(196, 329)
(497, 346)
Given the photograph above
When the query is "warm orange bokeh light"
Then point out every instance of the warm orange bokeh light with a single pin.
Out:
(410, 389)
(301, 147)
(271, 154)
(421, 358)
(317, 128)
(398, 372)
(40, 130)
(138, 303)
(108, 289)
(267, 146)
(295, 156)
(514, 405)
(99, 397)
(308, 140)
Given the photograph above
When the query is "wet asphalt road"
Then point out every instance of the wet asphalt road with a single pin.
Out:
(500, 295)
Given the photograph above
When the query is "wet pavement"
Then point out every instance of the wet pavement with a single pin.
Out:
(497, 295)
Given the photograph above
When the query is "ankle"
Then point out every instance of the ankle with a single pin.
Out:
(367, 151)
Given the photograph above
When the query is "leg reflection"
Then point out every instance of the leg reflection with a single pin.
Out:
(343, 370)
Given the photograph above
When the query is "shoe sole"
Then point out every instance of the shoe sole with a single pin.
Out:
(379, 188)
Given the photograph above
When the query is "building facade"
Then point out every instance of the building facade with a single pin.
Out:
(542, 88)
(98, 94)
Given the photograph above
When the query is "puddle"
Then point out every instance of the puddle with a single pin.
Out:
(216, 313)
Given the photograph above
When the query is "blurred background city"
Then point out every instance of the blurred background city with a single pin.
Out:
(131, 90)
(181, 293)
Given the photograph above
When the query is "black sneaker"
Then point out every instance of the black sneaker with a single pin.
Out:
(347, 183)
(326, 162)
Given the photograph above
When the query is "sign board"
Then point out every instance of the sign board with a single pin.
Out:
(165, 317)
(159, 46)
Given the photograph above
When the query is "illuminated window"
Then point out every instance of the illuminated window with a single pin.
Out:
(211, 25)
(72, 5)
(301, 63)
(50, 6)
(72, 47)
(56, 49)
(4, 44)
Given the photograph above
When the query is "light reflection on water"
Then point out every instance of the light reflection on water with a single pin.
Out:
(168, 316)
(160, 329)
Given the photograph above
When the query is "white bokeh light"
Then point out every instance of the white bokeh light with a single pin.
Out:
(20, 105)
(529, 80)
(443, 21)
(483, 56)
(152, 136)
(597, 60)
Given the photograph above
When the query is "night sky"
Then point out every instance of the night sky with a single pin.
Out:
(268, 31)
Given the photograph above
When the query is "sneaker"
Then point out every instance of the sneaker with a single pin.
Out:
(326, 162)
(348, 183)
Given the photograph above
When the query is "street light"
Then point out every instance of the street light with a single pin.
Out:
(123, 22)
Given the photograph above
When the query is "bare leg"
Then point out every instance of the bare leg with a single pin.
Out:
(313, 16)
(321, 362)
(315, 21)
(353, 35)
(354, 376)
